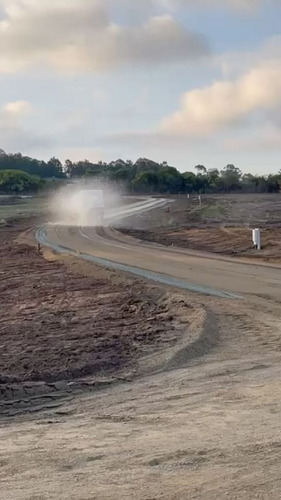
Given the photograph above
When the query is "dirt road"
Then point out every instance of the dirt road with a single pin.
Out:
(199, 271)
(203, 426)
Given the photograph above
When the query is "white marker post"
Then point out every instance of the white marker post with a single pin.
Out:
(257, 238)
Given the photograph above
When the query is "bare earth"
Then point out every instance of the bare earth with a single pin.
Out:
(222, 225)
(64, 321)
(192, 412)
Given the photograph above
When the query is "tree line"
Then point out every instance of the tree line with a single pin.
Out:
(147, 176)
(46, 170)
(143, 176)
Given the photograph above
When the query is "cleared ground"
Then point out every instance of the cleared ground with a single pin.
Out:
(21, 207)
(63, 321)
(222, 224)
(197, 418)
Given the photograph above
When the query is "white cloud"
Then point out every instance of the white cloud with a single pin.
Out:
(78, 35)
(11, 112)
(223, 103)
(14, 134)
(16, 108)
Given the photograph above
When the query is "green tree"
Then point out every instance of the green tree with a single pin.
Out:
(147, 182)
(54, 168)
(251, 183)
(202, 179)
(30, 165)
(68, 166)
(16, 182)
(201, 169)
(231, 177)
(190, 182)
(170, 180)
(273, 184)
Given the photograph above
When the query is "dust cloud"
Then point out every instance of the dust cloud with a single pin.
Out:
(84, 204)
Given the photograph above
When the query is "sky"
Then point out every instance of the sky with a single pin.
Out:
(184, 81)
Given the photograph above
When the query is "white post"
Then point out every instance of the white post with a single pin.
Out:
(199, 199)
(254, 238)
(257, 238)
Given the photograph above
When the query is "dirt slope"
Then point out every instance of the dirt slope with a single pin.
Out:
(222, 225)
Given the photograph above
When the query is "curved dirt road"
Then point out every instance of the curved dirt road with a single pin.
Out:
(194, 271)
(208, 429)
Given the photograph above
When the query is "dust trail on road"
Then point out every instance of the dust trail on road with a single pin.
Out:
(112, 215)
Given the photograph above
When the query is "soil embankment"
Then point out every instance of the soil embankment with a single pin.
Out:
(66, 320)
(222, 225)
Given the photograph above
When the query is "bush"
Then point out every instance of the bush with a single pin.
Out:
(18, 182)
